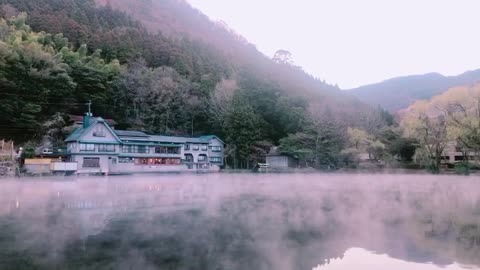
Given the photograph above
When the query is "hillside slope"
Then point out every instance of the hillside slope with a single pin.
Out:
(398, 93)
(176, 18)
(164, 68)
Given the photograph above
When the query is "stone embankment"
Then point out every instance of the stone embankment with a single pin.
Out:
(7, 168)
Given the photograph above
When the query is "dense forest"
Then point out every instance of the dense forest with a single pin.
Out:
(58, 55)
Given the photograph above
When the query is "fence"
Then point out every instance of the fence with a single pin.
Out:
(7, 150)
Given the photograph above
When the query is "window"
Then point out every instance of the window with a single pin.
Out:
(173, 150)
(204, 147)
(141, 161)
(87, 147)
(195, 147)
(125, 160)
(166, 150)
(142, 149)
(99, 131)
(174, 161)
(160, 150)
(187, 146)
(189, 158)
(127, 148)
(216, 148)
(202, 158)
(91, 162)
(106, 148)
(216, 159)
(157, 161)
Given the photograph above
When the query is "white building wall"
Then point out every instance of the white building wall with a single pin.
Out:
(216, 142)
(99, 128)
(196, 153)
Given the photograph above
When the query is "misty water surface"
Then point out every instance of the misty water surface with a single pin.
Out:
(241, 221)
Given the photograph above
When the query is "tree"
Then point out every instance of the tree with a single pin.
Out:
(283, 57)
(461, 108)
(318, 145)
(363, 142)
(243, 128)
(56, 129)
(301, 146)
(35, 82)
(426, 123)
(40, 76)
(153, 99)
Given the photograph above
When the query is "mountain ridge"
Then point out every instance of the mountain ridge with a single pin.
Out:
(398, 93)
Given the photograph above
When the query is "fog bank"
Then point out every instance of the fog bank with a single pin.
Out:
(236, 221)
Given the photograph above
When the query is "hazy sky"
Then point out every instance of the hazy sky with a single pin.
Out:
(352, 42)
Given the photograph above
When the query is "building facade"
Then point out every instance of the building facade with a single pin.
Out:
(98, 148)
(281, 161)
(454, 154)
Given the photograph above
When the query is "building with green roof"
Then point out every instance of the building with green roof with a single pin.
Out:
(96, 147)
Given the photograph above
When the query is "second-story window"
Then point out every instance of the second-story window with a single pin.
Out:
(173, 150)
(216, 148)
(106, 148)
(187, 146)
(204, 147)
(87, 147)
(160, 150)
(142, 149)
(195, 147)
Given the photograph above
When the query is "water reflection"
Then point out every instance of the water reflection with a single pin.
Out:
(358, 258)
(230, 221)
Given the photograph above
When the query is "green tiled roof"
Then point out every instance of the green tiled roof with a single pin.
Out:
(75, 136)
(78, 133)
(131, 133)
(209, 137)
(138, 137)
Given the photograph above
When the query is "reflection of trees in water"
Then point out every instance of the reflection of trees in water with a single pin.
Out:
(253, 230)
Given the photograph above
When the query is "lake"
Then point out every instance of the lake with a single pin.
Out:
(241, 221)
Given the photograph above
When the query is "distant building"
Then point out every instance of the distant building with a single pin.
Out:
(275, 159)
(98, 148)
(281, 161)
(38, 165)
(453, 153)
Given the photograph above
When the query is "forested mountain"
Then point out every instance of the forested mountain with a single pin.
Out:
(163, 67)
(399, 93)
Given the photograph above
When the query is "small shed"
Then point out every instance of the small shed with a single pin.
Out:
(37, 165)
(281, 161)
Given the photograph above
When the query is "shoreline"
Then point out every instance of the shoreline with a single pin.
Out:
(342, 171)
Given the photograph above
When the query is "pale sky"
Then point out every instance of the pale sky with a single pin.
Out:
(357, 42)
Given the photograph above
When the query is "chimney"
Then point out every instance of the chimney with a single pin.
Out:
(86, 120)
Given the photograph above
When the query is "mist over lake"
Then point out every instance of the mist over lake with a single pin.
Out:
(240, 221)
